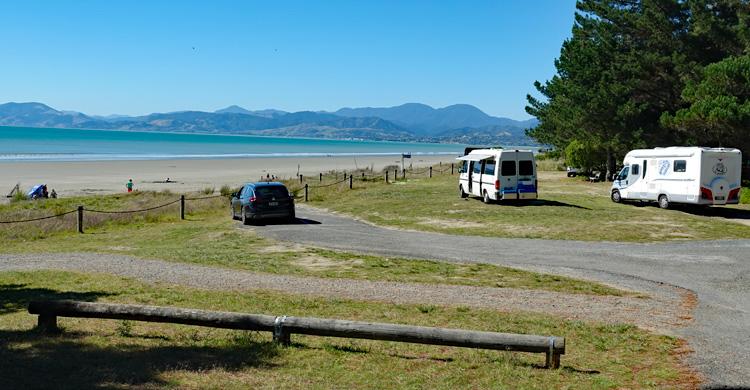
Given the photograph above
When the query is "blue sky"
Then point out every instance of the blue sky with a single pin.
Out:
(138, 57)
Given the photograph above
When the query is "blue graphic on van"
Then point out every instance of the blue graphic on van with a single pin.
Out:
(663, 167)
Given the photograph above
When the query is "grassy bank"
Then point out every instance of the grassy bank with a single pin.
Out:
(211, 238)
(119, 354)
(568, 208)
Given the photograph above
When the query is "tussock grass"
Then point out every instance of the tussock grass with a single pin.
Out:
(106, 353)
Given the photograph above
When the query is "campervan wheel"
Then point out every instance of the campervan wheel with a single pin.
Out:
(616, 196)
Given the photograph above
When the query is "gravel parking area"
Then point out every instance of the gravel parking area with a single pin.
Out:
(661, 313)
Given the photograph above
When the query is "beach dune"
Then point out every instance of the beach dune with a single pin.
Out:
(106, 177)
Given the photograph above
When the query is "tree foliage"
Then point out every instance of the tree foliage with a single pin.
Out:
(644, 73)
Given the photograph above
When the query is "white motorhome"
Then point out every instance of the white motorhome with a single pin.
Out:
(498, 174)
(693, 175)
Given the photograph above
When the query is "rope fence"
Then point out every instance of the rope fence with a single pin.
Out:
(39, 218)
(133, 211)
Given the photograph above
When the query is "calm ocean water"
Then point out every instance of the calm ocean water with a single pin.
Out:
(36, 144)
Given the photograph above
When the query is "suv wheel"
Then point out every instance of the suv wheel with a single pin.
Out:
(245, 219)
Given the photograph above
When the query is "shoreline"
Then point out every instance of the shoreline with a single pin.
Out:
(75, 178)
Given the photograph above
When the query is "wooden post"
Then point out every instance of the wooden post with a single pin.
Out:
(281, 335)
(363, 176)
(344, 175)
(451, 169)
(47, 323)
(300, 178)
(350, 181)
(80, 219)
(430, 172)
(403, 174)
(386, 177)
(305, 192)
(182, 207)
(321, 178)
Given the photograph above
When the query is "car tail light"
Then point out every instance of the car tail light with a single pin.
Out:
(706, 194)
(254, 199)
(734, 194)
(497, 185)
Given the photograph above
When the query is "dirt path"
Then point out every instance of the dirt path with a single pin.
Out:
(660, 313)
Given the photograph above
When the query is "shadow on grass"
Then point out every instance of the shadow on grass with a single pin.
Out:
(16, 297)
(539, 202)
(721, 212)
(30, 360)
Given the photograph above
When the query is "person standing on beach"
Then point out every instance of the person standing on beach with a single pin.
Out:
(129, 185)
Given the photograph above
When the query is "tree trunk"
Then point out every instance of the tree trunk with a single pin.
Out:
(610, 164)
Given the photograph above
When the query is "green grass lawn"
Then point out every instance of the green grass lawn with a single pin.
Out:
(567, 208)
(121, 354)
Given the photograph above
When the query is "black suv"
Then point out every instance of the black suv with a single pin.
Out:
(257, 201)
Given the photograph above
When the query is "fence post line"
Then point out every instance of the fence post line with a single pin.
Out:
(350, 181)
(430, 171)
(182, 207)
(305, 192)
(80, 219)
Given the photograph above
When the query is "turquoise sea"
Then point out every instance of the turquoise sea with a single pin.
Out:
(39, 144)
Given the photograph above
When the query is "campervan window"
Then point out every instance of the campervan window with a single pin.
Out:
(680, 165)
(525, 168)
(636, 169)
(462, 167)
(508, 168)
(489, 167)
(477, 167)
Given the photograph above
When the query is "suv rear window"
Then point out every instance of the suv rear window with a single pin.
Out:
(525, 168)
(271, 191)
(508, 168)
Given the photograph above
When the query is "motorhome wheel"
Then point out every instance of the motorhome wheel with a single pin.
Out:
(461, 192)
(663, 202)
(616, 196)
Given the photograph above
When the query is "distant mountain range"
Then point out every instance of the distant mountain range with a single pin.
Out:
(461, 123)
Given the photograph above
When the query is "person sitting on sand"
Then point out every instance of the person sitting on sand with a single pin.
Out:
(129, 185)
(53, 194)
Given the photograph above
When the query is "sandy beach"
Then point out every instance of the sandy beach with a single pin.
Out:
(106, 177)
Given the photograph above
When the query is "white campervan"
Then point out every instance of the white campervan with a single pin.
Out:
(497, 174)
(703, 176)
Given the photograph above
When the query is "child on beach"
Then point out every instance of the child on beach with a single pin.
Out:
(129, 185)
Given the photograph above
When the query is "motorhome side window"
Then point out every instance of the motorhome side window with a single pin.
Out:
(462, 167)
(489, 167)
(525, 168)
(636, 169)
(680, 165)
(508, 168)
(477, 167)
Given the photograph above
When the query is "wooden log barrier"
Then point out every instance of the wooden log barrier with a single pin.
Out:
(283, 327)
